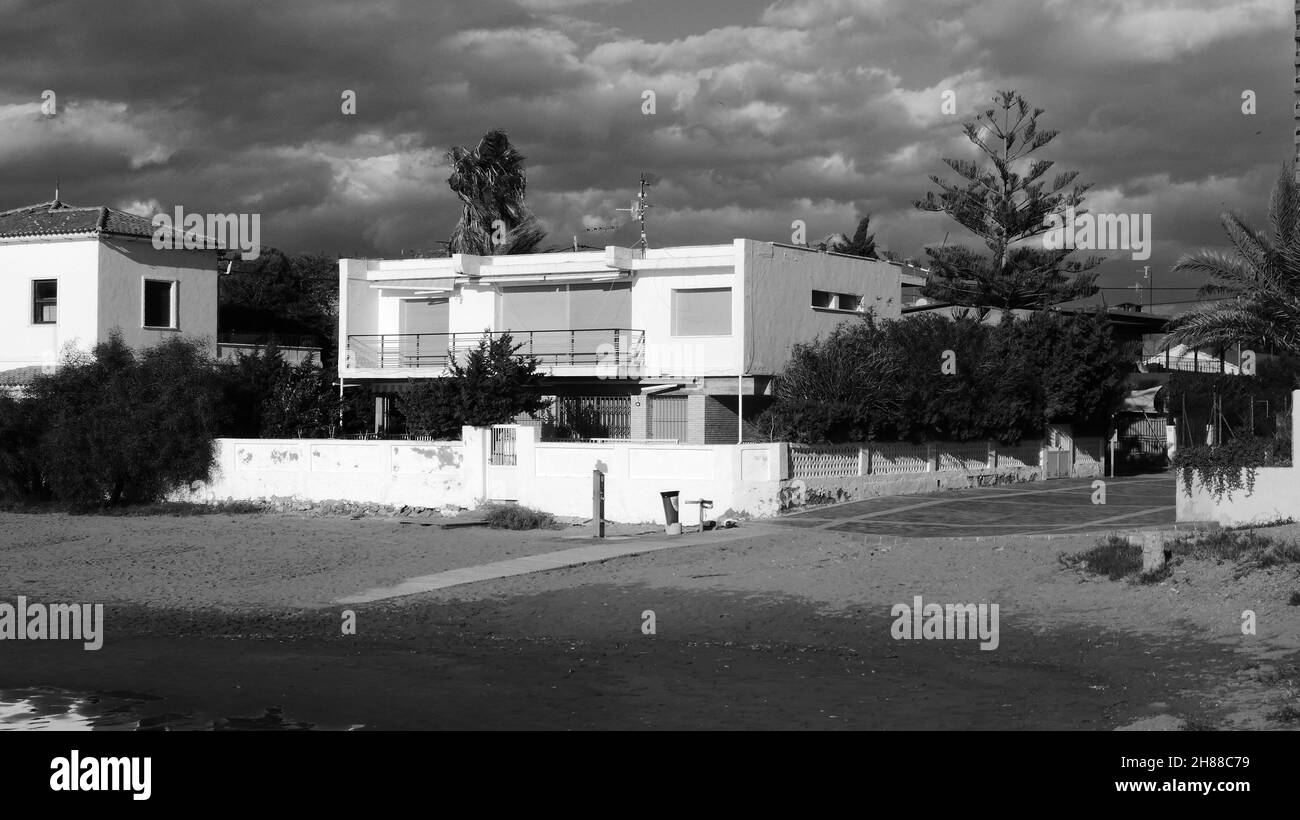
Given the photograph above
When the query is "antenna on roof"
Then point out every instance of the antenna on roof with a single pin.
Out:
(640, 206)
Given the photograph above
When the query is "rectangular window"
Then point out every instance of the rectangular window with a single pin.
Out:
(45, 301)
(159, 304)
(565, 307)
(825, 300)
(702, 312)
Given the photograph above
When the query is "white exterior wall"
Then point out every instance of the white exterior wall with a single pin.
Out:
(669, 356)
(426, 474)
(123, 268)
(779, 298)
(100, 288)
(75, 265)
(1273, 499)
(771, 299)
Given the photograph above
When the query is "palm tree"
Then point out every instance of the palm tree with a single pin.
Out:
(1259, 282)
(490, 182)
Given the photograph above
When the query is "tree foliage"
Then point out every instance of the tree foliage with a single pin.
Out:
(885, 380)
(493, 385)
(1258, 282)
(1004, 204)
(490, 182)
(282, 295)
(862, 244)
(121, 427)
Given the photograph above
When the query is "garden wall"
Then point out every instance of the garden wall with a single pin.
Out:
(508, 463)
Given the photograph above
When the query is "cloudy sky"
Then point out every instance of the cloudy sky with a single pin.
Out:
(819, 110)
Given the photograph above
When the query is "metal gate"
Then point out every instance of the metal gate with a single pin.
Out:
(1057, 463)
(668, 417)
(1141, 442)
(586, 417)
(502, 467)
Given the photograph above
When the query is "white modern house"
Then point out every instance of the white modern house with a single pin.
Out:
(673, 343)
(71, 275)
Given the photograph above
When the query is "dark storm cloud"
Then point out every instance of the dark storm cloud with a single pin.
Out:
(819, 110)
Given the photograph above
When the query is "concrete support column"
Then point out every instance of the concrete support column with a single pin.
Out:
(696, 410)
(639, 419)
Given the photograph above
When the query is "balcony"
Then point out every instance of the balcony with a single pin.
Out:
(607, 352)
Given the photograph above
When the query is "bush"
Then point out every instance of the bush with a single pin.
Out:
(493, 386)
(885, 380)
(1117, 558)
(117, 427)
(1248, 549)
(263, 396)
(20, 431)
(515, 517)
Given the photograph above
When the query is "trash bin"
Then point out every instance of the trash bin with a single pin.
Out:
(671, 524)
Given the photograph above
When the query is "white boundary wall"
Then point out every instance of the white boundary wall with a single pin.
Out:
(1273, 498)
(745, 479)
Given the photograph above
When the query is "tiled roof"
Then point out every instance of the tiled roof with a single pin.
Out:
(21, 376)
(56, 218)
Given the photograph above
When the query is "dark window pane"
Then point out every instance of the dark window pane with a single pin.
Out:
(45, 299)
(158, 304)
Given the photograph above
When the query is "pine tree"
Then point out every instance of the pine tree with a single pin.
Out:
(1006, 208)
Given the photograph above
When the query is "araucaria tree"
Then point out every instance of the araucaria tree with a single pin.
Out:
(490, 182)
(1006, 204)
(1258, 282)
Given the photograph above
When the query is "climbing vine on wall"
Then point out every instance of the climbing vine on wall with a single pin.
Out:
(1224, 468)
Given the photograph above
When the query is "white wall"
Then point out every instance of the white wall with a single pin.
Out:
(74, 264)
(123, 267)
(669, 356)
(425, 474)
(780, 281)
(1273, 498)
(771, 306)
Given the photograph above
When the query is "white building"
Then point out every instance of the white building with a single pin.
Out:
(71, 275)
(665, 343)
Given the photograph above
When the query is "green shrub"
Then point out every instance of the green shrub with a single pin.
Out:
(885, 379)
(515, 517)
(118, 427)
(1247, 548)
(1116, 558)
(20, 432)
(1155, 576)
(1221, 545)
(494, 385)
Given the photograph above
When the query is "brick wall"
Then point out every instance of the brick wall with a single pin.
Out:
(712, 419)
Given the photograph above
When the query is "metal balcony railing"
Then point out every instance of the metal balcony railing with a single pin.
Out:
(606, 347)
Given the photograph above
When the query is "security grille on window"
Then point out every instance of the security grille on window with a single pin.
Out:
(159, 304)
(45, 301)
(702, 312)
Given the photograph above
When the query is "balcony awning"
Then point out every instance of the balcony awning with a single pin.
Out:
(426, 285)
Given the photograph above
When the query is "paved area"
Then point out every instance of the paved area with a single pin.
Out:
(1062, 506)
(1055, 507)
(591, 552)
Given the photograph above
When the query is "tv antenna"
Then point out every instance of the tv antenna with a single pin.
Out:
(640, 206)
